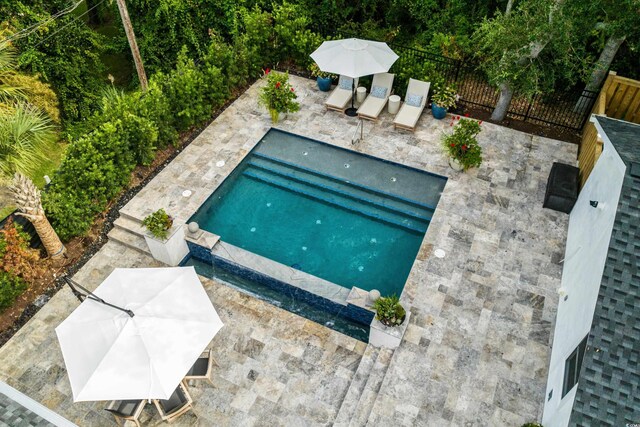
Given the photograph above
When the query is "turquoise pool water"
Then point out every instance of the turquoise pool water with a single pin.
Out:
(347, 218)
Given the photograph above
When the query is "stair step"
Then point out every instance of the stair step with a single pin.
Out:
(125, 215)
(344, 189)
(358, 383)
(313, 193)
(371, 388)
(371, 419)
(387, 198)
(129, 239)
(131, 225)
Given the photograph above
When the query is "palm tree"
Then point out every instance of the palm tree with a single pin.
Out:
(24, 132)
(8, 65)
(27, 197)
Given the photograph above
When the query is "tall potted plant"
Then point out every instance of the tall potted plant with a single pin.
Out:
(323, 79)
(166, 243)
(462, 145)
(443, 99)
(278, 96)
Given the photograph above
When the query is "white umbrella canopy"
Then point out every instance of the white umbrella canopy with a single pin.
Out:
(112, 356)
(354, 57)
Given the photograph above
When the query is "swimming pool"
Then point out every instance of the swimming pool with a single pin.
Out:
(317, 220)
(348, 218)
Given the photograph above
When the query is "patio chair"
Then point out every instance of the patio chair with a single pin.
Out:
(126, 410)
(378, 97)
(340, 96)
(178, 404)
(414, 102)
(202, 368)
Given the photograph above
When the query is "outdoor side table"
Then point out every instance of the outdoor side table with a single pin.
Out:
(394, 104)
(361, 94)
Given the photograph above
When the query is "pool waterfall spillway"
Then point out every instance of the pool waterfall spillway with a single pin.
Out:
(322, 224)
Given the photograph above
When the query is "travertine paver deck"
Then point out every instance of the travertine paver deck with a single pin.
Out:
(477, 347)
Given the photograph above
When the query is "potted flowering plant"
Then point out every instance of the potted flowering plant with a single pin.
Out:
(322, 78)
(165, 242)
(278, 96)
(443, 99)
(462, 145)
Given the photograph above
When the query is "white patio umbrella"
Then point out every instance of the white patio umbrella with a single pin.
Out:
(142, 339)
(354, 58)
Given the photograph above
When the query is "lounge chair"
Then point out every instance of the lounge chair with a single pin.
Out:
(414, 102)
(378, 97)
(126, 410)
(202, 368)
(340, 96)
(177, 404)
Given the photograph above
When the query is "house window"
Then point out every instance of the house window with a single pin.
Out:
(572, 367)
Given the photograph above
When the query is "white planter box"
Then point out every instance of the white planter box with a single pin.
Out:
(387, 336)
(170, 251)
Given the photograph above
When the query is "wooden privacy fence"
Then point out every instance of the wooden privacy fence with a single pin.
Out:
(618, 99)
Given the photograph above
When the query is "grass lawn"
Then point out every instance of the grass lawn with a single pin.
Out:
(54, 152)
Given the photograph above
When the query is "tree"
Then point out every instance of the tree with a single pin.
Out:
(510, 47)
(27, 197)
(615, 21)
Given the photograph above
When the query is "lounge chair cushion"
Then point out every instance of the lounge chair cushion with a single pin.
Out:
(379, 92)
(413, 100)
(346, 83)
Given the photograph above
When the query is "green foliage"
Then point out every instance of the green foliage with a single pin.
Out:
(158, 224)
(38, 94)
(257, 38)
(278, 96)
(24, 133)
(532, 425)
(531, 48)
(389, 311)
(317, 72)
(66, 54)
(406, 69)
(462, 143)
(293, 38)
(444, 96)
(11, 287)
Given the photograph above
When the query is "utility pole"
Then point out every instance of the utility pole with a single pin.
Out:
(137, 59)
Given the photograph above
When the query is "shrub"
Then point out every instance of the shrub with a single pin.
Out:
(11, 287)
(257, 38)
(158, 224)
(389, 311)
(462, 143)
(444, 96)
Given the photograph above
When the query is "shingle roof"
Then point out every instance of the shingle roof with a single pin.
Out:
(609, 386)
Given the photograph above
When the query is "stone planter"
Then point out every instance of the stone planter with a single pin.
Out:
(387, 336)
(170, 251)
(455, 165)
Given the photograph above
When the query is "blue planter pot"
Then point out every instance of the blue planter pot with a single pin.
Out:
(324, 83)
(438, 112)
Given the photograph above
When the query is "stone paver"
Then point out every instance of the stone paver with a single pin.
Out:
(477, 347)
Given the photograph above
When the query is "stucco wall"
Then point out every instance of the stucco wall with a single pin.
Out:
(585, 256)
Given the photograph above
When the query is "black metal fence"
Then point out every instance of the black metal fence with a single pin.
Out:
(566, 109)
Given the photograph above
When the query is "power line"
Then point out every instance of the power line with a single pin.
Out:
(32, 28)
(69, 23)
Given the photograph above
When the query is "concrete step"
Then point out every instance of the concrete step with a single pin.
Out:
(132, 225)
(372, 418)
(371, 388)
(358, 383)
(129, 239)
(130, 217)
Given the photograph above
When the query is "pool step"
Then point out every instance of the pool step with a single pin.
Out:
(397, 220)
(363, 390)
(358, 192)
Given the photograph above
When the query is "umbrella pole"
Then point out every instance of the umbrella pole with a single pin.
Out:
(88, 294)
(352, 112)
